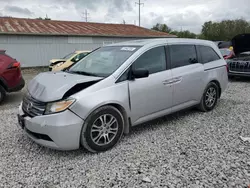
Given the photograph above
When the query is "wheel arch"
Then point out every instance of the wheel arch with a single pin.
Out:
(125, 116)
(218, 84)
(3, 84)
(122, 110)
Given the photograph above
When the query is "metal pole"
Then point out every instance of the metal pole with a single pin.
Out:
(86, 14)
(139, 13)
(139, 4)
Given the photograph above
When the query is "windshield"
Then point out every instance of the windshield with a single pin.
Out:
(69, 55)
(104, 61)
(225, 52)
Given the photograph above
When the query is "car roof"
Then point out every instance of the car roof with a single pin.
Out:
(144, 42)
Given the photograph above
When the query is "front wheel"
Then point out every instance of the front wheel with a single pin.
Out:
(102, 129)
(209, 98)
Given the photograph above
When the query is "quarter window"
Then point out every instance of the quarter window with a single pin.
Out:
(154, 60)
(182, 55)
(208, 54)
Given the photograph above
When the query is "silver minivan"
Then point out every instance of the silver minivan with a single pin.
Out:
(97, 100)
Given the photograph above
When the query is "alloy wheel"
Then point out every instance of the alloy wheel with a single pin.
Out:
(210, 97)
(104, 129)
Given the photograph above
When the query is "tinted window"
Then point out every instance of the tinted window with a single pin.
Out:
(208, 54)
(182, 55)
(78, 57)
(153, 60)
(124, 76)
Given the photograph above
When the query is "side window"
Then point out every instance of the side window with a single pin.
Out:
(182, 55)
(154, 60)
(208, 54)
(78, 57)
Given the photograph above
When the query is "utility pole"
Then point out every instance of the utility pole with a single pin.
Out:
(139, 4)
(86, 15)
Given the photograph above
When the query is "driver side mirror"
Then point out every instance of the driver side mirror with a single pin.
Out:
(139, 73)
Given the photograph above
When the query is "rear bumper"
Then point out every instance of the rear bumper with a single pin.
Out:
(241, 74)
(18, 87)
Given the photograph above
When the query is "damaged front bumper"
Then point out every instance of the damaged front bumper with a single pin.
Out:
(61, 131)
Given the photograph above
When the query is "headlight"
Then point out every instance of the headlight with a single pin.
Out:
(58, 106)
(59, 64)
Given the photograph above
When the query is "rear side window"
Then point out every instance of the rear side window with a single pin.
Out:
(208, 54)
(182, 55)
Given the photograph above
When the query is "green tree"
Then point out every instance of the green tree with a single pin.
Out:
(161, 27)
(46, 18)
(224, 30)
(186, 34)
(165, 28)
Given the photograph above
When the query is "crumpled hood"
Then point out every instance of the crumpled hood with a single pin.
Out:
(241, 43)
(55, 60)
(51, 86)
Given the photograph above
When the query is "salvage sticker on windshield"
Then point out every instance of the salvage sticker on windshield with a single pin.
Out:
(131, 49)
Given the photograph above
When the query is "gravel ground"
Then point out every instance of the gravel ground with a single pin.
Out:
(187, 149)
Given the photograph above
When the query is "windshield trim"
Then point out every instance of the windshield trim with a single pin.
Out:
(70, 55)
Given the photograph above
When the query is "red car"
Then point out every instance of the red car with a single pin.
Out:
(11, 79)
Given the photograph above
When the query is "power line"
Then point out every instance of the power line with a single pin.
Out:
(85, 15)
(139, 4)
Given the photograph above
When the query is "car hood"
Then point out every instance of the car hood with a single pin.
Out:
(241, 43)
(55, 60)
(52, 86)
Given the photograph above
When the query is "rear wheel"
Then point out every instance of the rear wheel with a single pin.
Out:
(2, 94)
(209, 98)
(102, 129)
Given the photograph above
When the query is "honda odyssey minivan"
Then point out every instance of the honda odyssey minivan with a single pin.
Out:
(94, 102)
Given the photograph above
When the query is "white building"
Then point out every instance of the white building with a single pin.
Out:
(34, 42)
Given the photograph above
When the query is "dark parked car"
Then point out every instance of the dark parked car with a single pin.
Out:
(11, 79)
(240, 64)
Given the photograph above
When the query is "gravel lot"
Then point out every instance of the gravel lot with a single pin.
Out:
(187, 149)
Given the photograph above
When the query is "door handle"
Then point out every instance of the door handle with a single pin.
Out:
(177, 79)
(172, 81)
(167, 82)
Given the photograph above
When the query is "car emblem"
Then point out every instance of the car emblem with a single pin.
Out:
(29, 106)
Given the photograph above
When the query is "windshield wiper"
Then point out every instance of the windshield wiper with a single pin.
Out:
(82, 73)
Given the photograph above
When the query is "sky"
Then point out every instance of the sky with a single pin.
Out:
(177, 14)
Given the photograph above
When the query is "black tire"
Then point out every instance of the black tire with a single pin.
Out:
(2, 94)
(87, 140)
(203, 106)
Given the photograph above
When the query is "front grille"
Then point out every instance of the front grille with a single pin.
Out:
(33, 107)
(239, 66)
(39, 136)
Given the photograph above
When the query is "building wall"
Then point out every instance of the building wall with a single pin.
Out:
(38, 50)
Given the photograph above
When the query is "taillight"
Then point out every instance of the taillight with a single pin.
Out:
(227, 67)
(16, 65)
(13, 65)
